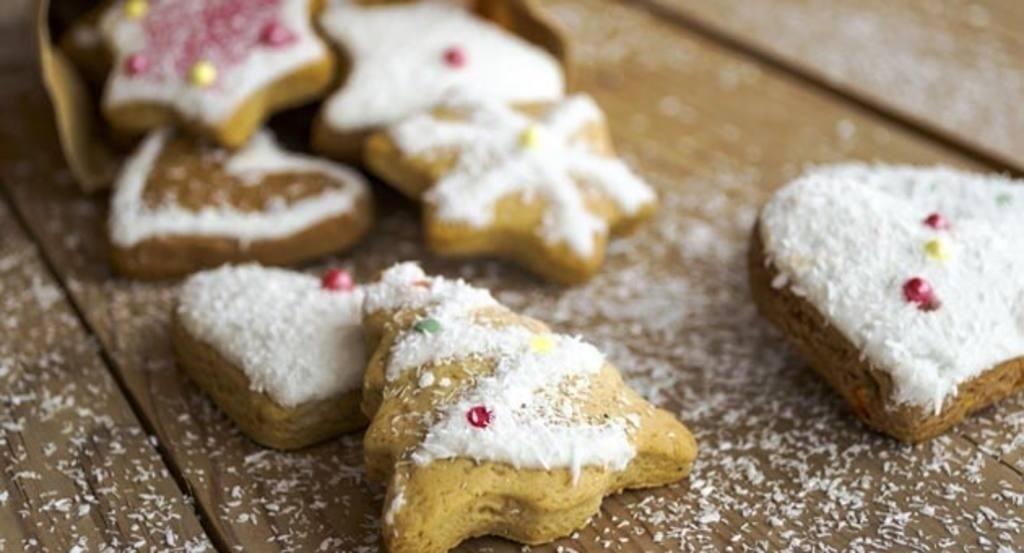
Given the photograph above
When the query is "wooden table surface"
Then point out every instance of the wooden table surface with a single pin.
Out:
(104, 442)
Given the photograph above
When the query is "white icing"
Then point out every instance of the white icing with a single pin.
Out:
(493, 164)
(535, 421)
(399, 67)
(293, 339)
(847, 238)
(132, 220)
(406, 286)
(166, 81)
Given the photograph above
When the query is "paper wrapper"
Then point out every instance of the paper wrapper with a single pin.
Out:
(93, 158)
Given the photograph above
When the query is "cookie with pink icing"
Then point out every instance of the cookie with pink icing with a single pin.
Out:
(219, 67)
(404, 57)
(181, 204)
(487, 422)
(901, 286)
(280, 352)
(537, 183)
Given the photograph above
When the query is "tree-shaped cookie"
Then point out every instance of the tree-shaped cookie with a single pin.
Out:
(404, 57)
(487, 422)
(903, 287)
(218, 66)
(536, 184)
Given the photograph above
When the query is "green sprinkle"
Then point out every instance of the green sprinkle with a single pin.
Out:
(1003, 199)
(427, 326)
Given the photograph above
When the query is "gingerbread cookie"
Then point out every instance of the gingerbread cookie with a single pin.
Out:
(405, 57)
(181, 205)
(536, 184)
(902, 288)
(219, 67)
(486, 422)
(280, 352)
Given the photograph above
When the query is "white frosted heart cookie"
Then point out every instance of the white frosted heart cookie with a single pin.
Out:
(901, 286)
(406, 56)
(181, 205)
(280, 352)
(219, 67)
(536, 184)
(487, 422)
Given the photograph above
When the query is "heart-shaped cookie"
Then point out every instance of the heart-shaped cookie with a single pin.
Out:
(903, 287)
(280, 352)
(181, 205)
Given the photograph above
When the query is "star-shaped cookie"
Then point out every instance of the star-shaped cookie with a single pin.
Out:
(404, 57)
(219, 67)
(902, 286)
(181, 204)
(487, 422)
(537, 184)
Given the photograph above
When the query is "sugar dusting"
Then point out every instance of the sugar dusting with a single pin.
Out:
(955, 62)
(80, 474)
(782, 464)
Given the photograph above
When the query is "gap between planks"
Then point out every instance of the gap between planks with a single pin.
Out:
(172, 468)
(922, 128)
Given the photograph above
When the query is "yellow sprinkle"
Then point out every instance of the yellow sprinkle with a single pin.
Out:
(135, 9)
(937, 249)
(541, 343)
(530, 139)
(203, 73)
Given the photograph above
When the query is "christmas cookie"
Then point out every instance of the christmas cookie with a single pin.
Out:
(901, 286)
(405, 57)
(487, 422)
(217, 66)
(536, 184)
(280, 352)
(181, 205)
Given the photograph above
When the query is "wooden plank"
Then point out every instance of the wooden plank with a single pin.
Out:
(954, 67)
(782, 463)
(79, 472)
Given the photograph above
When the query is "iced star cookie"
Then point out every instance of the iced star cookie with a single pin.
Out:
(220, 67)
(901, 286)
(181, 205)
(485, 422)
(404, 57)
(536, 184)
(280, 352)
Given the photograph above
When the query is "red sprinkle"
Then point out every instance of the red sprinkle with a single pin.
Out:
(276, 34)
(136, 63)
(937, 221)
(421, 283)
(918, 290)
(338, 280)
(455, 57)
(479, 416)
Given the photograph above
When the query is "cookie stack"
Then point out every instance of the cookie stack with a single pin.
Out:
(435, 98)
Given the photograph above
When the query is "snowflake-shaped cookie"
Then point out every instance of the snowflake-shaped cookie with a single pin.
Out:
(218, 65)
(537, 184)
(406, 57)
